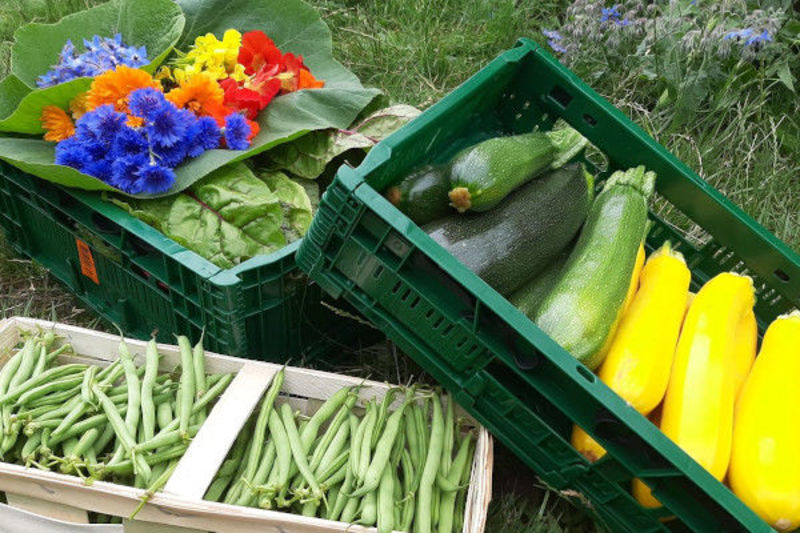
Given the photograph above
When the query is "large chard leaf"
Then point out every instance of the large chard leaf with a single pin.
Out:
(309, 155)
(231, 215)
(156, 24)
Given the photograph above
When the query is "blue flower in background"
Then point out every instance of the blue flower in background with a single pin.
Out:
(553, 40)
(552, 34)
(763, 37)
(101, 54)
(738, 34)
(610, 13)
(749, 36)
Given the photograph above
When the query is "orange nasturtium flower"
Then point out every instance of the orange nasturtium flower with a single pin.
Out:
(201, 94)
(114, 87)
(57, 123)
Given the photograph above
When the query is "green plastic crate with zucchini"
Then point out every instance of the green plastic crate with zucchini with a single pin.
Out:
(134, 276)
(518, 382)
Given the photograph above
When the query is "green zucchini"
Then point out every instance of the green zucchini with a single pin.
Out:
(422, 195)
(508, 245)
(581, 310)
(482, 175)
(528, 297)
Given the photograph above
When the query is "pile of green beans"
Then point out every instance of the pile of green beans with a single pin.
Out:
(401, 470)
(124, 423)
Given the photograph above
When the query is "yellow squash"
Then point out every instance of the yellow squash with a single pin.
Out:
(745, 351)
(640, 356)
(581, 440)
(765, 461)
(698, 407)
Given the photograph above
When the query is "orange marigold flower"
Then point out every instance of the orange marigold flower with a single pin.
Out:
(57, 123)
(200, 94)
(308, 81)
(78, 106)
(114, 86)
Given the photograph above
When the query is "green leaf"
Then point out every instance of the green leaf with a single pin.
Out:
(156, 24)
(785, 76)
(228, 217)
(309, 155)
(295, 203)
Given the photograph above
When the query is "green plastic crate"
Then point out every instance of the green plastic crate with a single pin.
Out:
(134, 276)
(514, 379)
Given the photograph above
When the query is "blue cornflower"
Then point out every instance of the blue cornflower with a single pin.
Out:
(203, 135)
(236, 132)
(170, 156)
(101, 124)
(553, 35)
(129, 142)
(71, 152)
(168, 126)
(124, 172)
(155, 179)
(146, 103)
(610, 13)
(99, 168)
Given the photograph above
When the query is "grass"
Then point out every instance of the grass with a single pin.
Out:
(741, 139)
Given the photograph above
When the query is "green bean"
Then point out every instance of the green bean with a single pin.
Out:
(24, 365)
(342, 498)
(412, 436)
(422, 439)
(256, 445)
(62, 384)
(333, 495)
(103, 440)
(461, 495)
(199, 364)
(449, 436)
(448, 499)
(338, 443)
(133, 412)
(217, 389)
(369, 510)
(398, 499)
(279, 474)
(156, 486)
(383, 449)
(334, 476)
(325, 411)
(424, 516)
(322, 450)
(366, 448)
(148, 382)
(298, 452)
(385, 507)
(47, 376)
(166, 439)
(435, 507)
(310, 508)
(231, 464)
(55, 353)
(123, 433)
(126, 467)
(356, 441)
(187, 386)
(164, 415)
(217, 489)
(350, 510)
(69, 445)
(30, 449)
(41, 361)
(383, 412)
(57, 398)
(86, 385)
(248, 495)
(407, 515)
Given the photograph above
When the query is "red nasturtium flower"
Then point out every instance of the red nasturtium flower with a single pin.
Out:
(258, 51)
(296, 75)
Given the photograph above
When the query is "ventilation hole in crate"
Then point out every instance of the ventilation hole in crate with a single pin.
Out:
(447, 330)
(429, 314)
(586, 373)
(140, 247)
(438, 322)
(163, 287)
(405, 295)
(589, 119)
(397, 287)
(782, 276)
(560, 96)
(461, 343)
(140, 271)
(104, 225)
(377, 272)
(414, 303)
(526, 105)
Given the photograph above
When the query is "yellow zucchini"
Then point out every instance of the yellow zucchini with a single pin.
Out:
(765, 464)
(637, 272)
(745, 351)
(640, 356)
(698, 407)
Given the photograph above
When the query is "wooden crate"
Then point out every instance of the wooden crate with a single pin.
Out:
(180, 504)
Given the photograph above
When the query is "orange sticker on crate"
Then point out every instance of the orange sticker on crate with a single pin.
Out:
(87, 261)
